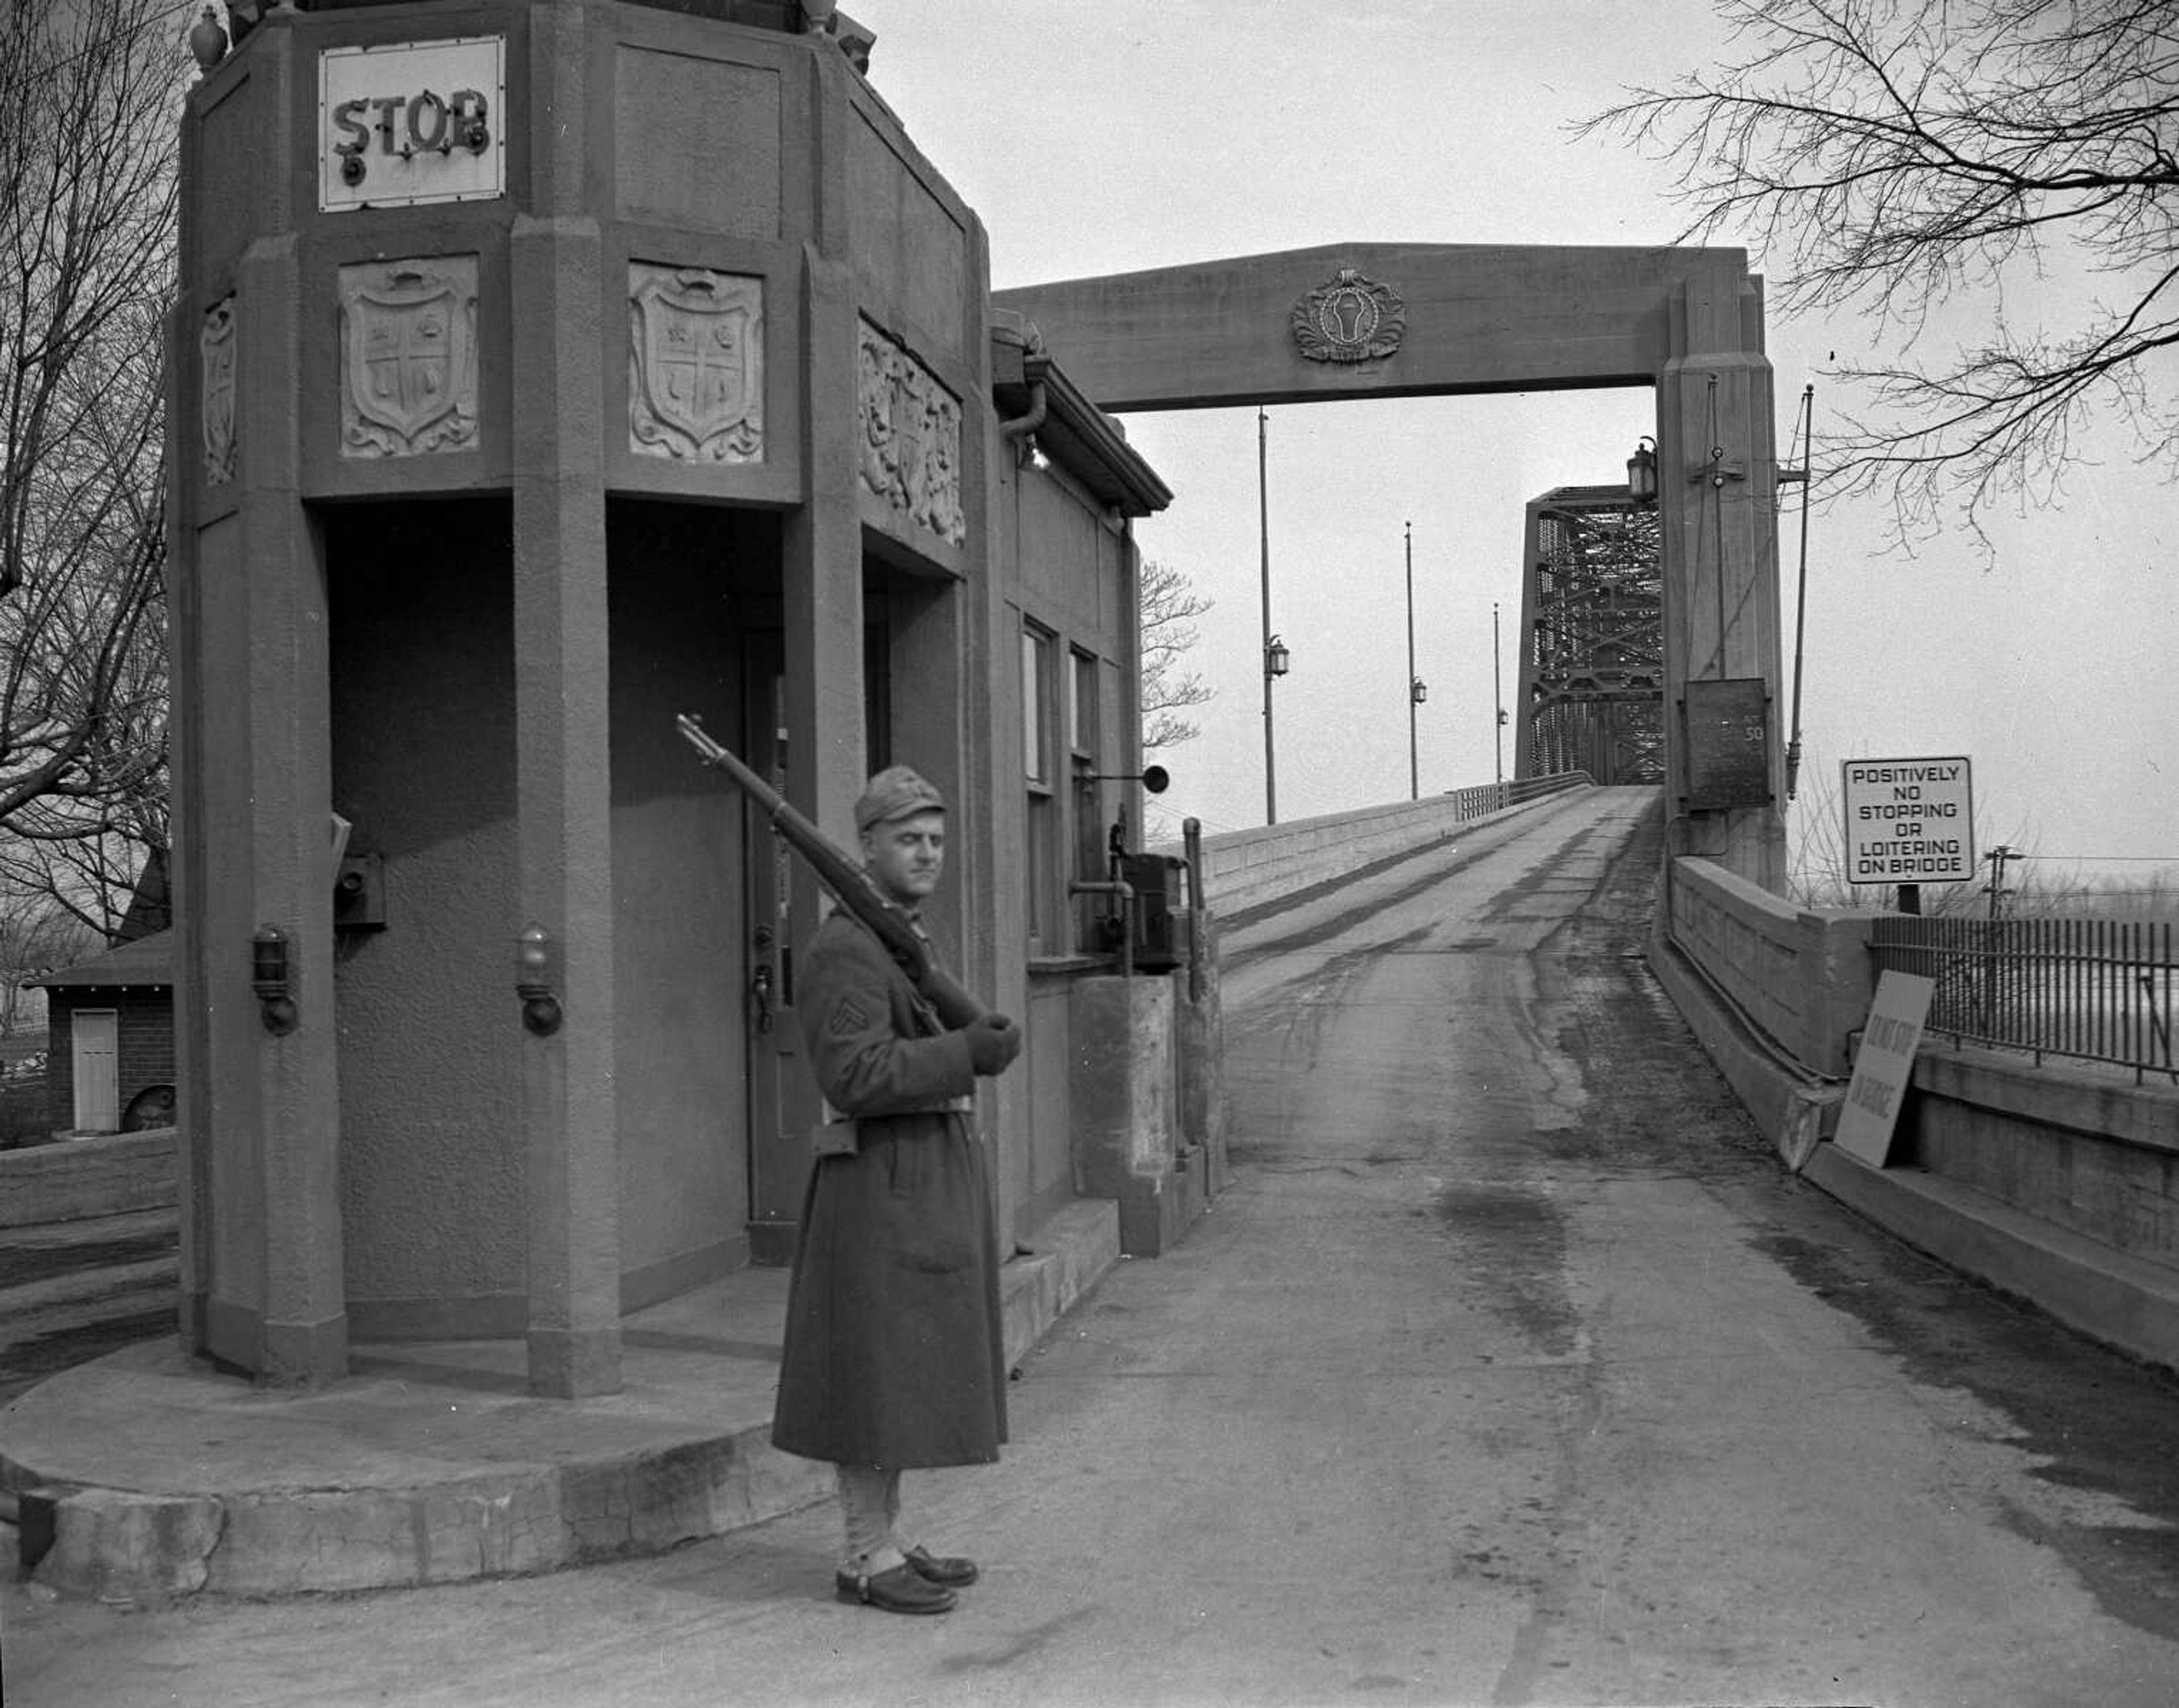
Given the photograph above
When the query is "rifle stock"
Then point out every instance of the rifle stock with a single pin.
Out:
(849, 884)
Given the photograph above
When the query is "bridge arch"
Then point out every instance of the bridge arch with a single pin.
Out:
(1418, 320)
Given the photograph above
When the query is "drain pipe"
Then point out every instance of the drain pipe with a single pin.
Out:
(1020, 426)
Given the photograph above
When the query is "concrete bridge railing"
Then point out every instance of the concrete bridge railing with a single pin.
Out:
(2056, 1182)
(1800, 976)
(1249, 869)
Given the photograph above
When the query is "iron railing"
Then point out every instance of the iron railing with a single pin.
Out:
(2095, 990)
(1480, 798)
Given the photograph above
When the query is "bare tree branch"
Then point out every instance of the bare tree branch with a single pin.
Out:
(87, 219)
(1168, 607)
(1920, 160)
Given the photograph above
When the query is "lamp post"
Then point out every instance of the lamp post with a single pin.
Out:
(1416, 692)
(1275, 655)
(1497, 699)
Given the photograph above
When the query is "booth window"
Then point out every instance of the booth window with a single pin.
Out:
(1089, 838)
(1046, 887)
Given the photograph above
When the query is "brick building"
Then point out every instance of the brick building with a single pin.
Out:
(110, 1065)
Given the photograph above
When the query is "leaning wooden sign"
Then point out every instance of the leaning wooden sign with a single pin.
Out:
(1909, 820)
(1883, 1067)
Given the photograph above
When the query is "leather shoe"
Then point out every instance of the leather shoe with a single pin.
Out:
(900, 1590)
(949, 1569)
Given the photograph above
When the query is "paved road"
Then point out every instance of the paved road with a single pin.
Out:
(1511, 1370)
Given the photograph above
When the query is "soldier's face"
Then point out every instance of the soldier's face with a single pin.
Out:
(906, 856)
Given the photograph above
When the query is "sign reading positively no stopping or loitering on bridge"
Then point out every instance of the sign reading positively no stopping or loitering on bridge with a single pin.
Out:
(1909, 820)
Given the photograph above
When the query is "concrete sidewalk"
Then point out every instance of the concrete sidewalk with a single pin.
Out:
(147, 1475)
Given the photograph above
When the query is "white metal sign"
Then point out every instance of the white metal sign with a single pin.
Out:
(1909, 820)
(412, 121)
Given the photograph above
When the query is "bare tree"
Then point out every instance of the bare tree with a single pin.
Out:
(87, 215)
(34, 940)
(1168, 607)
(1923, 162)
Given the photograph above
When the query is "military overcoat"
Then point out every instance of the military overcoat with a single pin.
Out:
(893, 1353)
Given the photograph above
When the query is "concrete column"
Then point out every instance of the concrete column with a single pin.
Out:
(1524, 645)
(823, 572)
(823, 547)
(564, 876)
(1716, 488)
(262, 1281)
(304, 1333)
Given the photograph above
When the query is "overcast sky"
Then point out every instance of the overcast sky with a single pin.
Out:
(1104, 136)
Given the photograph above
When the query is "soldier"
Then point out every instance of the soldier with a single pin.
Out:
(893, 1357)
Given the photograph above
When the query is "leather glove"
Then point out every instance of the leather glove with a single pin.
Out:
(994, 1040)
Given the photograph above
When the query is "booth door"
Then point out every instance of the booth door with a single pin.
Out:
(783, 1102)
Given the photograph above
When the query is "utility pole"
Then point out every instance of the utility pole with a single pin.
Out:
(1264, 536)
(1998, 856)
(1414, 682)
(1497, 701)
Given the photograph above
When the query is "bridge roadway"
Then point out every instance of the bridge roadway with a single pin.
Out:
(1512, 1369)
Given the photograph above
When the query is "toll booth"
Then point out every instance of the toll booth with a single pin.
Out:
(542, 371)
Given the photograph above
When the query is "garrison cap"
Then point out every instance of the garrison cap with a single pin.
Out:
(895, 793)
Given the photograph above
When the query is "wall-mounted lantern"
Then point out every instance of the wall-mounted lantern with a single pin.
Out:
(268, 977)
(1276, 658)
(1418, 690)
(1642, 471)
(533, 982)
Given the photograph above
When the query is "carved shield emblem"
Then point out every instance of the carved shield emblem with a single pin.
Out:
(215, 381)
(696, 388)
(410, 383)
(1352, 319)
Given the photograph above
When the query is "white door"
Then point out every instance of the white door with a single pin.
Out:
(97, 1051)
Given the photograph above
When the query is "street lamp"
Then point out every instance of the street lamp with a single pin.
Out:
(1642, 471)
(1497, 698)
(1416, 692)
(1275, 655)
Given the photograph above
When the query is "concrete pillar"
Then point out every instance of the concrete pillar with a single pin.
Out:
(261, 1268)
(1521, 702)
(1716, 489)
(821, 579)
(823, 541)
(304, 1333)
(564, 876)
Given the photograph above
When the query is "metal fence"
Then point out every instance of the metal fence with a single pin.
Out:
(2095, 990)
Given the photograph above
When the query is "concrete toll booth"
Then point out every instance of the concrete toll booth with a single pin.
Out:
(541, 371)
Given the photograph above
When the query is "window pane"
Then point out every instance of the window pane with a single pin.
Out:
(1082, 705)
(1036, 676)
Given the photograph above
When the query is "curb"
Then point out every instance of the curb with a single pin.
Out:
(649, 1477)
(2113, 1298)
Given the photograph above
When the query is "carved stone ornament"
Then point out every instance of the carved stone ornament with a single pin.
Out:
(695, 364)
(216, 394)
(409, 362)
(1352, 319)
(911, 437)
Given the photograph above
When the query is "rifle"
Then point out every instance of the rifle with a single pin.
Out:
(848, 881)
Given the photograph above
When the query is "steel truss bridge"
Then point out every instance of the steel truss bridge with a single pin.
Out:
(1592, 639)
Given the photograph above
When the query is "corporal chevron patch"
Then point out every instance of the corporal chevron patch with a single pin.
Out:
(847, 1016)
